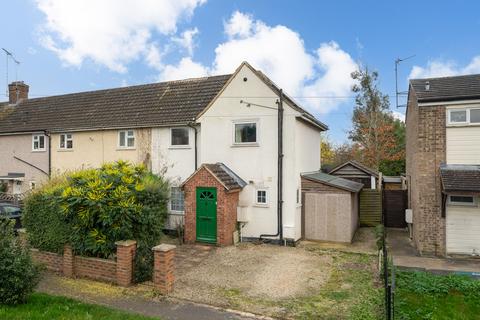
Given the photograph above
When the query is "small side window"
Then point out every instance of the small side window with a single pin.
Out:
(261, 197)
(474, 115)
(177, 199)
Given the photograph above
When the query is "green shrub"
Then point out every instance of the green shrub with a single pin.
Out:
(18, 274)
(43, 218)
(92, 209)
(379, 231)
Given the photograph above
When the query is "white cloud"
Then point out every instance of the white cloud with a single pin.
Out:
(239, 25)
(398, 115)
(108, 32)
(187, 40)
(186, 68)
(280, 53)
(444, 68)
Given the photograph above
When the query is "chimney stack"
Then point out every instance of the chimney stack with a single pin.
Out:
(17, 92)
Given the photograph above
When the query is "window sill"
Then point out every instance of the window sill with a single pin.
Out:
(462, 124)
(36, 151)
(259, 205)
(242, 145)
(176, 213)
(65, 150)
(180, 147)
(126, 149)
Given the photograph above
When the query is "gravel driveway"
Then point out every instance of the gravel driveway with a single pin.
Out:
(252, 272)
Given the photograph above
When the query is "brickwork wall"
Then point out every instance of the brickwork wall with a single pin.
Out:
(96, 269)
(164, 268)
(226, 208)
(52, 261)
(119, 271)
(426, 150)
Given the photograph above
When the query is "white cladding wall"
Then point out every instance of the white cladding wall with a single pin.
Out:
(463, 145)
(463, 229)
(179, 162)
(257, 164)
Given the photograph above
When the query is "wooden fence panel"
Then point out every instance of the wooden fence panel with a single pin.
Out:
(370, 207)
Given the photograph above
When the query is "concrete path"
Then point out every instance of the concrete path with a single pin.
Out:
(132, 300)
(406, 256)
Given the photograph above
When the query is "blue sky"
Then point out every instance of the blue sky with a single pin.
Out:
(307, 47)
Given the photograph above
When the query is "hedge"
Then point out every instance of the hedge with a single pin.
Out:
(92, 209)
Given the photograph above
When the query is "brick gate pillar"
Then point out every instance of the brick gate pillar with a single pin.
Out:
(125, 256)
(68, 261)
(164, 266)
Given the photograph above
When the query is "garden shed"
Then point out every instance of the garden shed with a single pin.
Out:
(330, 209)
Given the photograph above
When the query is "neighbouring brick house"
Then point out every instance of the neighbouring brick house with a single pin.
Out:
(442, 146)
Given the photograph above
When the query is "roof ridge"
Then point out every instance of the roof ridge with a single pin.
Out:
(162, 83)
(446, 77)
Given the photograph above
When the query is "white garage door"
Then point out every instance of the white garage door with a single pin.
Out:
(463, 229)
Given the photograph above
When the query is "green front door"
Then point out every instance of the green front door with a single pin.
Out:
(207, 214)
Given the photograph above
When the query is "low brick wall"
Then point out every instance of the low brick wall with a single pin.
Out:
(96, 269)
(119, 271)
(52, 261)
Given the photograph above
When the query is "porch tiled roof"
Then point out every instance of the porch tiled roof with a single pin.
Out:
(227, 177)
(464, 178)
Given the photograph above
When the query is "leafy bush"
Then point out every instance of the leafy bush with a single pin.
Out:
(18, 274)
(97, 207)
(379, 231)
(47, 229)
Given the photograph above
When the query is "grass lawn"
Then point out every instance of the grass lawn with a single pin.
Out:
(45, 307)
(421, 295)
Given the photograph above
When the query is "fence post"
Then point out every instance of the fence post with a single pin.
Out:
(68, 261)
(125, 255)
(164, 266)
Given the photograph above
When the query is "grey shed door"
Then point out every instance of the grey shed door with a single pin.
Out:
(328, 216)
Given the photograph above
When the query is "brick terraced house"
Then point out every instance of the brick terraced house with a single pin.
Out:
(443, 164)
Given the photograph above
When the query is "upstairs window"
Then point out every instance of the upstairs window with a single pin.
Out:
(465, 116)
(474, 115)
(177, 199)
(458, 116)
(126, 139)
(38, 142)
(245, 132)
(66, 141)
(179, 137)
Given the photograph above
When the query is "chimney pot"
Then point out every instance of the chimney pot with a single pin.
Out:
(17, 92)
(427, 85)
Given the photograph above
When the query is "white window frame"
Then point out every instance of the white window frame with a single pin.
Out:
(38, 136)
(127, 136)
(33, 185)
(180, 146)
(262, 204)
(463, 204)
(257, 132)
(65, 147)
(171, 198)
(467, 121)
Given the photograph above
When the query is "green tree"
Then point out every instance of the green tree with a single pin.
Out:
(374, 128)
